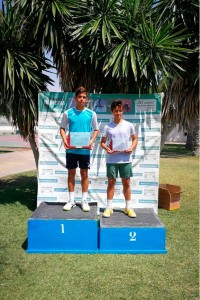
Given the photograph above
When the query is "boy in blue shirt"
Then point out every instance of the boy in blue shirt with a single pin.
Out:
(81, 120)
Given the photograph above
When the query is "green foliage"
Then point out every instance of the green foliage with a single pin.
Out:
(181, 102)
(46, 19)
(21, 70)
(130, 43)
(109, 46)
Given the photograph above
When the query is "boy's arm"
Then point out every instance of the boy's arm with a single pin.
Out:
(63, 125)
(96, 130)
(64, 137)
(95, 134)
(134, 143)
(103, 145)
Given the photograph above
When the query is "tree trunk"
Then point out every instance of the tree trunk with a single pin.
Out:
(189, 142)
(193, 138)
(34, 148)
(166, 129)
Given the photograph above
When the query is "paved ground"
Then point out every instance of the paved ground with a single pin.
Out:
(16, 155)
(13, 140)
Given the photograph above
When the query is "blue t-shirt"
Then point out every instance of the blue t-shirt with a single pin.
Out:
(79, 121)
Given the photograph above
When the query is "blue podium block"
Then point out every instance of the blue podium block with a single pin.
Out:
(144, 234)
(52, 230)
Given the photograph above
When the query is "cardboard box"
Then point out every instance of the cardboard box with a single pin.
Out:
(169, 196)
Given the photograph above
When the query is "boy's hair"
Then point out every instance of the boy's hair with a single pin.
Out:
(80, 90)
(115, 103)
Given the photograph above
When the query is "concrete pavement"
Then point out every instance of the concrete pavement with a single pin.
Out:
(12, 141)
(19, 158)
(16, 162)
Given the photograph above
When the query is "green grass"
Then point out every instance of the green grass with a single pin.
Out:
(172, 276)
(175, 150)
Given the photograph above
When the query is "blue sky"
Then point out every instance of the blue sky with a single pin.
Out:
(55, 86)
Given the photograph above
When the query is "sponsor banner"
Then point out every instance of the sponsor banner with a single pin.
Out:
(42, 163)
(152, 141)
(144, 111)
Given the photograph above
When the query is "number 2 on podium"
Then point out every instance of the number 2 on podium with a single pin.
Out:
(132, 235)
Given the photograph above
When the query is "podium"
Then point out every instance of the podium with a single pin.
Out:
(52, 230)
(144, 234)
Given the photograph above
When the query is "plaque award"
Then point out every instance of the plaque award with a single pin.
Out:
(78, 140)
(119, 145)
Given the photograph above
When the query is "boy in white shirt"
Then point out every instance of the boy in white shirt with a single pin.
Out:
(119, 153)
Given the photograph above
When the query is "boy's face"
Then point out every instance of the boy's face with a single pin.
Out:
(81, 99)
(117, 112)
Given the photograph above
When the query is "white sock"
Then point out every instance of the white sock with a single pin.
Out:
(71, 197)
(128, 204)
(109, 203)
(84, 196)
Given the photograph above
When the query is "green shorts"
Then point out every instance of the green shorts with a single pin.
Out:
(125, 170)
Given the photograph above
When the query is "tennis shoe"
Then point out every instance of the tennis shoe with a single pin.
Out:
(107, 212)
(69, 205)
(130, 213)
(85, 206)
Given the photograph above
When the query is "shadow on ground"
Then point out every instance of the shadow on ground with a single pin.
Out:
(175, 151)
(5, 151)
(25, 244)
(21, 188)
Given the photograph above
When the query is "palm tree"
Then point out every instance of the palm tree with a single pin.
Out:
(21, 73)
(130, 46)
(121, 42)
(181, 101)
(137, 48)
(107, 45)
(49, 22)
(125, 44)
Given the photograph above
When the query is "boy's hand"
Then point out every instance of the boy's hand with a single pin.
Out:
(109, 151)
(66, 145)
(129, 150)
(91, 145)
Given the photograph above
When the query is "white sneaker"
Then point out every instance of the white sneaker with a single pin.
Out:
(85, 206)
(69, 205)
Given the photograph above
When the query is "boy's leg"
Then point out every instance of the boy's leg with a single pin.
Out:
(71, 164)
(126, 188)
(110, 194)
(84, 184)
(71, 180)
(125, 171)
(84, 165)
(111, 188)
(112, 173)
(84, 180)
(71, 185)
